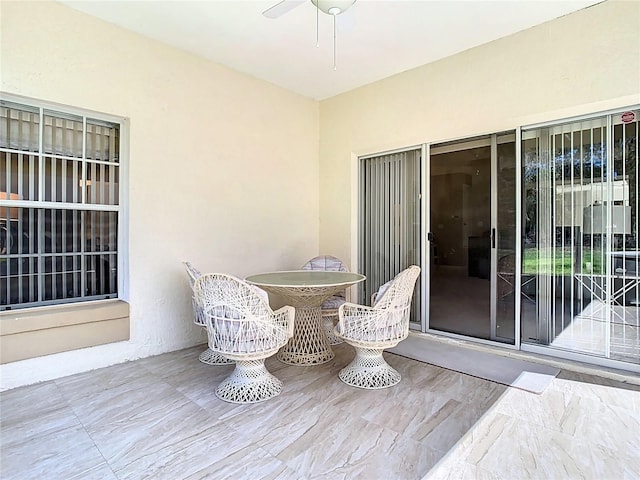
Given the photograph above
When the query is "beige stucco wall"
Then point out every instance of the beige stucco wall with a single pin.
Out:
(223, 168)
(217, 157)
(582, 63)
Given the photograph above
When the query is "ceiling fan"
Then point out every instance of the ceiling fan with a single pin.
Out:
(330, 7)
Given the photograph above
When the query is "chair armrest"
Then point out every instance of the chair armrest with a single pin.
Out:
(360, 322)
(355, 317)
(348, 307)
(285, 316)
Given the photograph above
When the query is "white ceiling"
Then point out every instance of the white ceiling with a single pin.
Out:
(375, 39)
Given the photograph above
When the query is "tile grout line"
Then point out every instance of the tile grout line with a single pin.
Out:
(84, 427)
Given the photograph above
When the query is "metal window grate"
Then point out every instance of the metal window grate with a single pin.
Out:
(59, 206)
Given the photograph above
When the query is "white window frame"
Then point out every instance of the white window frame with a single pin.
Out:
(122, 204)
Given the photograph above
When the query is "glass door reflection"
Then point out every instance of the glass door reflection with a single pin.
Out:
(472, 239)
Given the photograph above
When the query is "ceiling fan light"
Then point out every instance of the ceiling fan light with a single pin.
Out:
(333, 7)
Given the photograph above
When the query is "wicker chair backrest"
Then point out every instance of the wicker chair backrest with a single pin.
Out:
(199, 315)
(193, 273)
(225, 296)
(239, 320)
(327, 263)
(398, 291)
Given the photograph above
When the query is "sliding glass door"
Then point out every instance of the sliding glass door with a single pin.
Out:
(561, 276)
(462, 233)
(580, 285)
(472, 238)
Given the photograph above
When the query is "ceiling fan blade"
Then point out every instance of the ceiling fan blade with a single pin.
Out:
(281, 8)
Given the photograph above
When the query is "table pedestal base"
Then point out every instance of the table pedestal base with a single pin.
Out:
(327, 320)
(309, 345)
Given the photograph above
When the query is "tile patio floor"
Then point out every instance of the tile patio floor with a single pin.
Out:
(158, 418)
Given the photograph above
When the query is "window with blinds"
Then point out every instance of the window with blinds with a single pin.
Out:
(59, 206)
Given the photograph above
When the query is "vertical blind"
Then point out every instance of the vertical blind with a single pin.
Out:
(581, 236)
(389, 220)
(59, 196)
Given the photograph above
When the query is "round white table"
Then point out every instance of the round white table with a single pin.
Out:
(306, 290)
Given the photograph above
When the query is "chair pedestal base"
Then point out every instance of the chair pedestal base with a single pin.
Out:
(250, 382)
(213, 358)
(369, 370)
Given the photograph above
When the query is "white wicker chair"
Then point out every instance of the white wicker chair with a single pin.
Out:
(208, 356)
(372, 329)
(331, 305)
(242, 327)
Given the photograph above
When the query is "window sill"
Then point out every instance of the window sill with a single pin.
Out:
(36, 332)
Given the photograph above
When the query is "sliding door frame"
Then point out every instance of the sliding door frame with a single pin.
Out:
(425, 167)
(491, 140)
(519, 236)
(493, 250)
